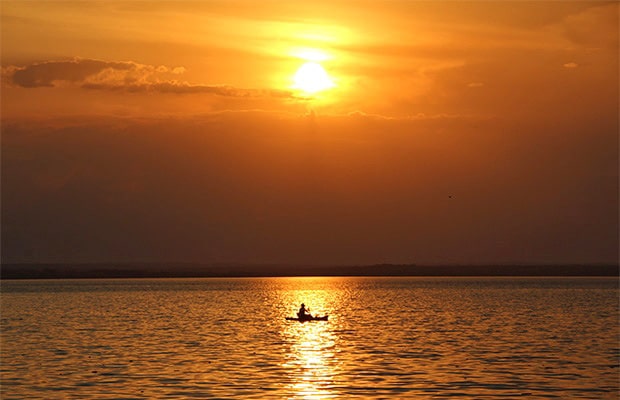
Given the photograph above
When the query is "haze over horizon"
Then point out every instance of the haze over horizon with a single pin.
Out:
(330, 133)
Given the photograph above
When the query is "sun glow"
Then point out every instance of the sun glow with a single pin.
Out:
(310, 54)
(311, 78)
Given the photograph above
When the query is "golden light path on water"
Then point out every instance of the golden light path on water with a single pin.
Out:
(312, 360)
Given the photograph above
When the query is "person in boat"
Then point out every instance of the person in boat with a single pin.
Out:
(303, 313)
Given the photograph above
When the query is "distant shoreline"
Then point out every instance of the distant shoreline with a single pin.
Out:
(189, 270)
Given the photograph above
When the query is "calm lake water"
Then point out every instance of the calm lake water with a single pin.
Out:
(417, 338)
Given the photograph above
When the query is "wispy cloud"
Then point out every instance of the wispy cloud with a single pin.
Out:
(126, 76)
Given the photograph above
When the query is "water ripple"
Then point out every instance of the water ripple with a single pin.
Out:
(386, 337)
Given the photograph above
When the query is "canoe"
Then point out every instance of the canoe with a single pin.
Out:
(323, 318)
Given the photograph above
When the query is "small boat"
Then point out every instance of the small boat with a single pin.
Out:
(323, 318)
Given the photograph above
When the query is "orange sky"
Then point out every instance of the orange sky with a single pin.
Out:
(482, 132)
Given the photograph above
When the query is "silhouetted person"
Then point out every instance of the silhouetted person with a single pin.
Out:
(303, 313)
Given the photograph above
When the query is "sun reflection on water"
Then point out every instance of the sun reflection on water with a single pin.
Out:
(311, 359)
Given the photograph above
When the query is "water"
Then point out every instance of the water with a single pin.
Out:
(417, 338)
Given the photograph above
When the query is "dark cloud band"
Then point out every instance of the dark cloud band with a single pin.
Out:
(125, 76)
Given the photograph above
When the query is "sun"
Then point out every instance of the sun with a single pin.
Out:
(312, 78)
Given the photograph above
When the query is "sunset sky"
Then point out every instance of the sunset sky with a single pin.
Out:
(315, 132)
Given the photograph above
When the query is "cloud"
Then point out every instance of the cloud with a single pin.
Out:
(595, 27)
(419, 117)
(184, 87)
(571, 65)
(80, 71)
(127, 76)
